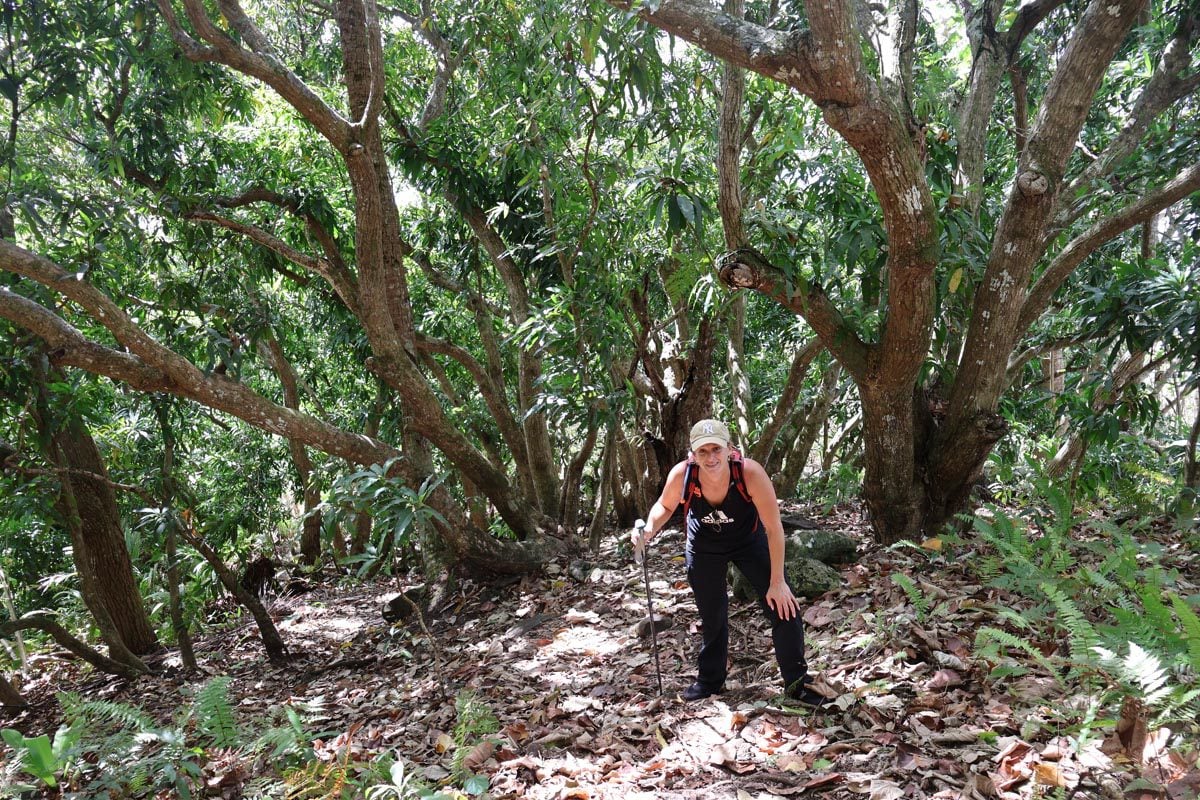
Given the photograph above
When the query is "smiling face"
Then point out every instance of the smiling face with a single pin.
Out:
(712, 457)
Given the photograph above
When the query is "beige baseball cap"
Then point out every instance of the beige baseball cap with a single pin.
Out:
(709, 431)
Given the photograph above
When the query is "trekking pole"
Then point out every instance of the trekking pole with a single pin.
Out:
(639, 555)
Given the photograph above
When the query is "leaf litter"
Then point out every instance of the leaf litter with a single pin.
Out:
(564, 663)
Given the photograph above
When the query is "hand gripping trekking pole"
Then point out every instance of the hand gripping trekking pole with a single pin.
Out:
(639, 555)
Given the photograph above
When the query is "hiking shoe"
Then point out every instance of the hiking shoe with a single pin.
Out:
(698, 691)
(802, 693)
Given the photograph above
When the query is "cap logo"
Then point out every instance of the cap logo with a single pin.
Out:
(708, 428)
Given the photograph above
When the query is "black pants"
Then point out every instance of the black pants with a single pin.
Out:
(707, 565)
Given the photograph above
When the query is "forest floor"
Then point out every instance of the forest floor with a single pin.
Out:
(915, 711)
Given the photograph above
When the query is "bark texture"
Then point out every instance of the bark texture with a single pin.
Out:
(87, 506)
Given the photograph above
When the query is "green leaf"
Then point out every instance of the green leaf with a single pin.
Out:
(686, 207)
(476, 784)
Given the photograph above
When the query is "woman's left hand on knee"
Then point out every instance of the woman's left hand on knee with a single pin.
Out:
(782, 601)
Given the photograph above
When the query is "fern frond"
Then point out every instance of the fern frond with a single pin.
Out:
(1185, 701)
(475, 719)
(1191, 629)
(315, 781)
(1146, 669)
(1013, 642)
(1139, 669)
(1101, 581)
(916, 597)
(1159, 616)
(275, 741)
(122, 715)
(214, 714)
(1084, 638)
(1015, 617)
(988, 568)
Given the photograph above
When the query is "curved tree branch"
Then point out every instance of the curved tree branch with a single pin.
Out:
(44, 621)
(315, 228)
(1166, 87)
(69, 347)
(1103, 231)
(747, 269)
(1029, 16)
(340, 279)
(491, 393)
(261, 65)
(1017, 244)
(788, 57)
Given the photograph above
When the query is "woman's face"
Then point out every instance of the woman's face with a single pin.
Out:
(711, 457)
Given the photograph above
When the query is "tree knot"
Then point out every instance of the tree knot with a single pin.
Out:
(741, 268)
(1032, 183)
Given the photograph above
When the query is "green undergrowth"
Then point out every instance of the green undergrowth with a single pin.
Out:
(107, 750)
(1095, 605)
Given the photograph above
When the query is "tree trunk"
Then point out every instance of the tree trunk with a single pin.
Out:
(630, 489)
(6, 586)
(693, 401)
(762, 449)
(571, 494)
(603, 483)
(988, 66)
(830, 390)
(808, 428)
(310, 530)
(839, 440)
(363, 520)
(1191, 469)
(87, 506)
(101, 558)
(1072, 450)
(178, 622)
(476, 505)
(272, 642)
(1053, 372)
(9, 696)
(894, 496)
(739, 380)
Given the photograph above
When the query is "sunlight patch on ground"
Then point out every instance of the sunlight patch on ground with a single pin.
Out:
(556, 660)
(316, 624)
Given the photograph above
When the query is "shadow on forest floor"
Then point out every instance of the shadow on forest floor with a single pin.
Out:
(559, 661)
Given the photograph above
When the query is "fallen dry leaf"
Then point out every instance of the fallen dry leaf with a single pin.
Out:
(818, 616)
(478, 754)
(1049, 774)
(791, 763)
(944, 679)
(886, 790)
(1014, 765)
(824, 780)
(1186, 787)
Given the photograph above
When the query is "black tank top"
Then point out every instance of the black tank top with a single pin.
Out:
(734, 520)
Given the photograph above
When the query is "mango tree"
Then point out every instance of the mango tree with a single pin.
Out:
(1046, 173)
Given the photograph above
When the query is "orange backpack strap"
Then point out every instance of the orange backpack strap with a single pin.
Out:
(739, 476)
(691, 484)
